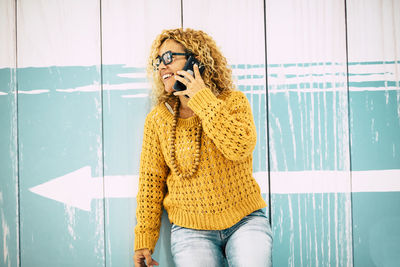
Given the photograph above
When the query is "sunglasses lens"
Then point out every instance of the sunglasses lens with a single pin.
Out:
(157, 62)
(167, 57)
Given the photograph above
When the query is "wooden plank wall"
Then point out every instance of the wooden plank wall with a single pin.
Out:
(309, 143)
(128, 28)
(60, 133)
(374, 92)
(9, 215)
(323, 79)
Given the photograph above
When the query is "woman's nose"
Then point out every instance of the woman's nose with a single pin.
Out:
(162, 65)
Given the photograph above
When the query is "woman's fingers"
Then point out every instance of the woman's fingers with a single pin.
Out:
(182, 80)
(193, 85)
(186, 75)
(142, 255)
(196, 71)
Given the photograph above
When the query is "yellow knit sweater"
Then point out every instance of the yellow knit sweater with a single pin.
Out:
(222, 191)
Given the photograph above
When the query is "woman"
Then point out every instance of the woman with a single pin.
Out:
(196, 161)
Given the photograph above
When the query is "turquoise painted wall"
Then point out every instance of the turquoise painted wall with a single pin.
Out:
(323, 79)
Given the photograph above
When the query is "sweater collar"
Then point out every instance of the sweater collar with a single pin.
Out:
(189, 122)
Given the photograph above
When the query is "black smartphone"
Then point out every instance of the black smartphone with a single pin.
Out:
(178, 86)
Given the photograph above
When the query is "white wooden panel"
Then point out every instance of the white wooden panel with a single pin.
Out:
(374, 84)
(373, 29)
(128, 30)
(308, 131)
(9, 220)
(7, 34)
(237, 27)
(60, 133)
(57, 33)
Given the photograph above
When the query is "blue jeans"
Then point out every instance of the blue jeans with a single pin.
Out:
(247, 243)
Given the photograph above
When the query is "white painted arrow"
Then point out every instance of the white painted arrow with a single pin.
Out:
(79, 188)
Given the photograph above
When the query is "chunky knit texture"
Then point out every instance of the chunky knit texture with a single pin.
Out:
(222, 191)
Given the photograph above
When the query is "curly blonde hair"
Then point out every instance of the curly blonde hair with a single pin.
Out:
(217, 74)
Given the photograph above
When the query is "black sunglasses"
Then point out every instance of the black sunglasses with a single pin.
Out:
(167, 58)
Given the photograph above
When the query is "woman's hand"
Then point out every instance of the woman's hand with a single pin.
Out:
(193, 84)
(141, 255)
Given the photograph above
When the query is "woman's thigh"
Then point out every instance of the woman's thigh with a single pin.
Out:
(196, 247)
(251, 243)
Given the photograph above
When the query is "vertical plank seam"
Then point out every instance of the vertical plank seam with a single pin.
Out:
(182, 14)
(349, 131)
(267, 114)
(102, 133)
(19, 259)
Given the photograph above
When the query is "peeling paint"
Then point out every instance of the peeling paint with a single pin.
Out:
(6, 234)
(71, 224)
(320, 87)
(33, 92)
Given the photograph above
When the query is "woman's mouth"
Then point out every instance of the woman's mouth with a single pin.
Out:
(167, 76)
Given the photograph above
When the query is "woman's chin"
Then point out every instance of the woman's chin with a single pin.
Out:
(169, 90)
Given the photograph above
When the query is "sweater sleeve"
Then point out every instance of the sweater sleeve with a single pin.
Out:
(152, 188)
(229, 122)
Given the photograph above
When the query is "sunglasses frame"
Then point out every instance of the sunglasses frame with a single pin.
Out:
(155, 65)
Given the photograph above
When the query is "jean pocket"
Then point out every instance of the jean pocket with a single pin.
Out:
(175, 228)
(259, 212)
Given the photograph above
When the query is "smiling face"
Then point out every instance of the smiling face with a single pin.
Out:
(167, 72)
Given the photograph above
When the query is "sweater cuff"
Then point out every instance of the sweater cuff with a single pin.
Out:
(201, 99)
(143, 241)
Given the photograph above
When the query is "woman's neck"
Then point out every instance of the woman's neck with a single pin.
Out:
(184, 110)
